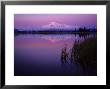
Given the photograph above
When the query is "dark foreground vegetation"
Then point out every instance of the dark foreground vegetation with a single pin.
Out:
(85, 53)
(82, 52)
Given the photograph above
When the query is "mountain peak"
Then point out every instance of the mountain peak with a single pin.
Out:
(55, 25)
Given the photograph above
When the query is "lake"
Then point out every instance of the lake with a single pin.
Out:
(40, 55)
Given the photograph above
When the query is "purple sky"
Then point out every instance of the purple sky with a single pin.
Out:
(34, 20)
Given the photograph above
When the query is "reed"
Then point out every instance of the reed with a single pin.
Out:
(85, 53)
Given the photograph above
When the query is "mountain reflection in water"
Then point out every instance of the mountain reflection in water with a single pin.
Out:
(50, 55)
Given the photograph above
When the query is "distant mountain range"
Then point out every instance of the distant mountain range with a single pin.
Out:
(56, 28)
(54, 25)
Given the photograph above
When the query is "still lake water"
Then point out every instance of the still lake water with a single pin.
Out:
(40, 55)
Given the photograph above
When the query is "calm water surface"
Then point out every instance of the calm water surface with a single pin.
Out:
(40, 55)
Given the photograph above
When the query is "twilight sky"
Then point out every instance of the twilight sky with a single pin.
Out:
(34, 20)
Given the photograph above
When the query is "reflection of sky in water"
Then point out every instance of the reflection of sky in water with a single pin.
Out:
(40, 54)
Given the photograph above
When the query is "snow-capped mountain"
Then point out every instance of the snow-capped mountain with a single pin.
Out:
(54, 26)
(58, 26)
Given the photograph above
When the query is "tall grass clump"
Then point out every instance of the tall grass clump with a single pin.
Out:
(85, 52)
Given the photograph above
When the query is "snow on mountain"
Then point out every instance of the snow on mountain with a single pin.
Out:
(52, 26)
(58, 26)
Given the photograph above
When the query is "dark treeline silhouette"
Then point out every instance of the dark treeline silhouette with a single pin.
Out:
(56, 31)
